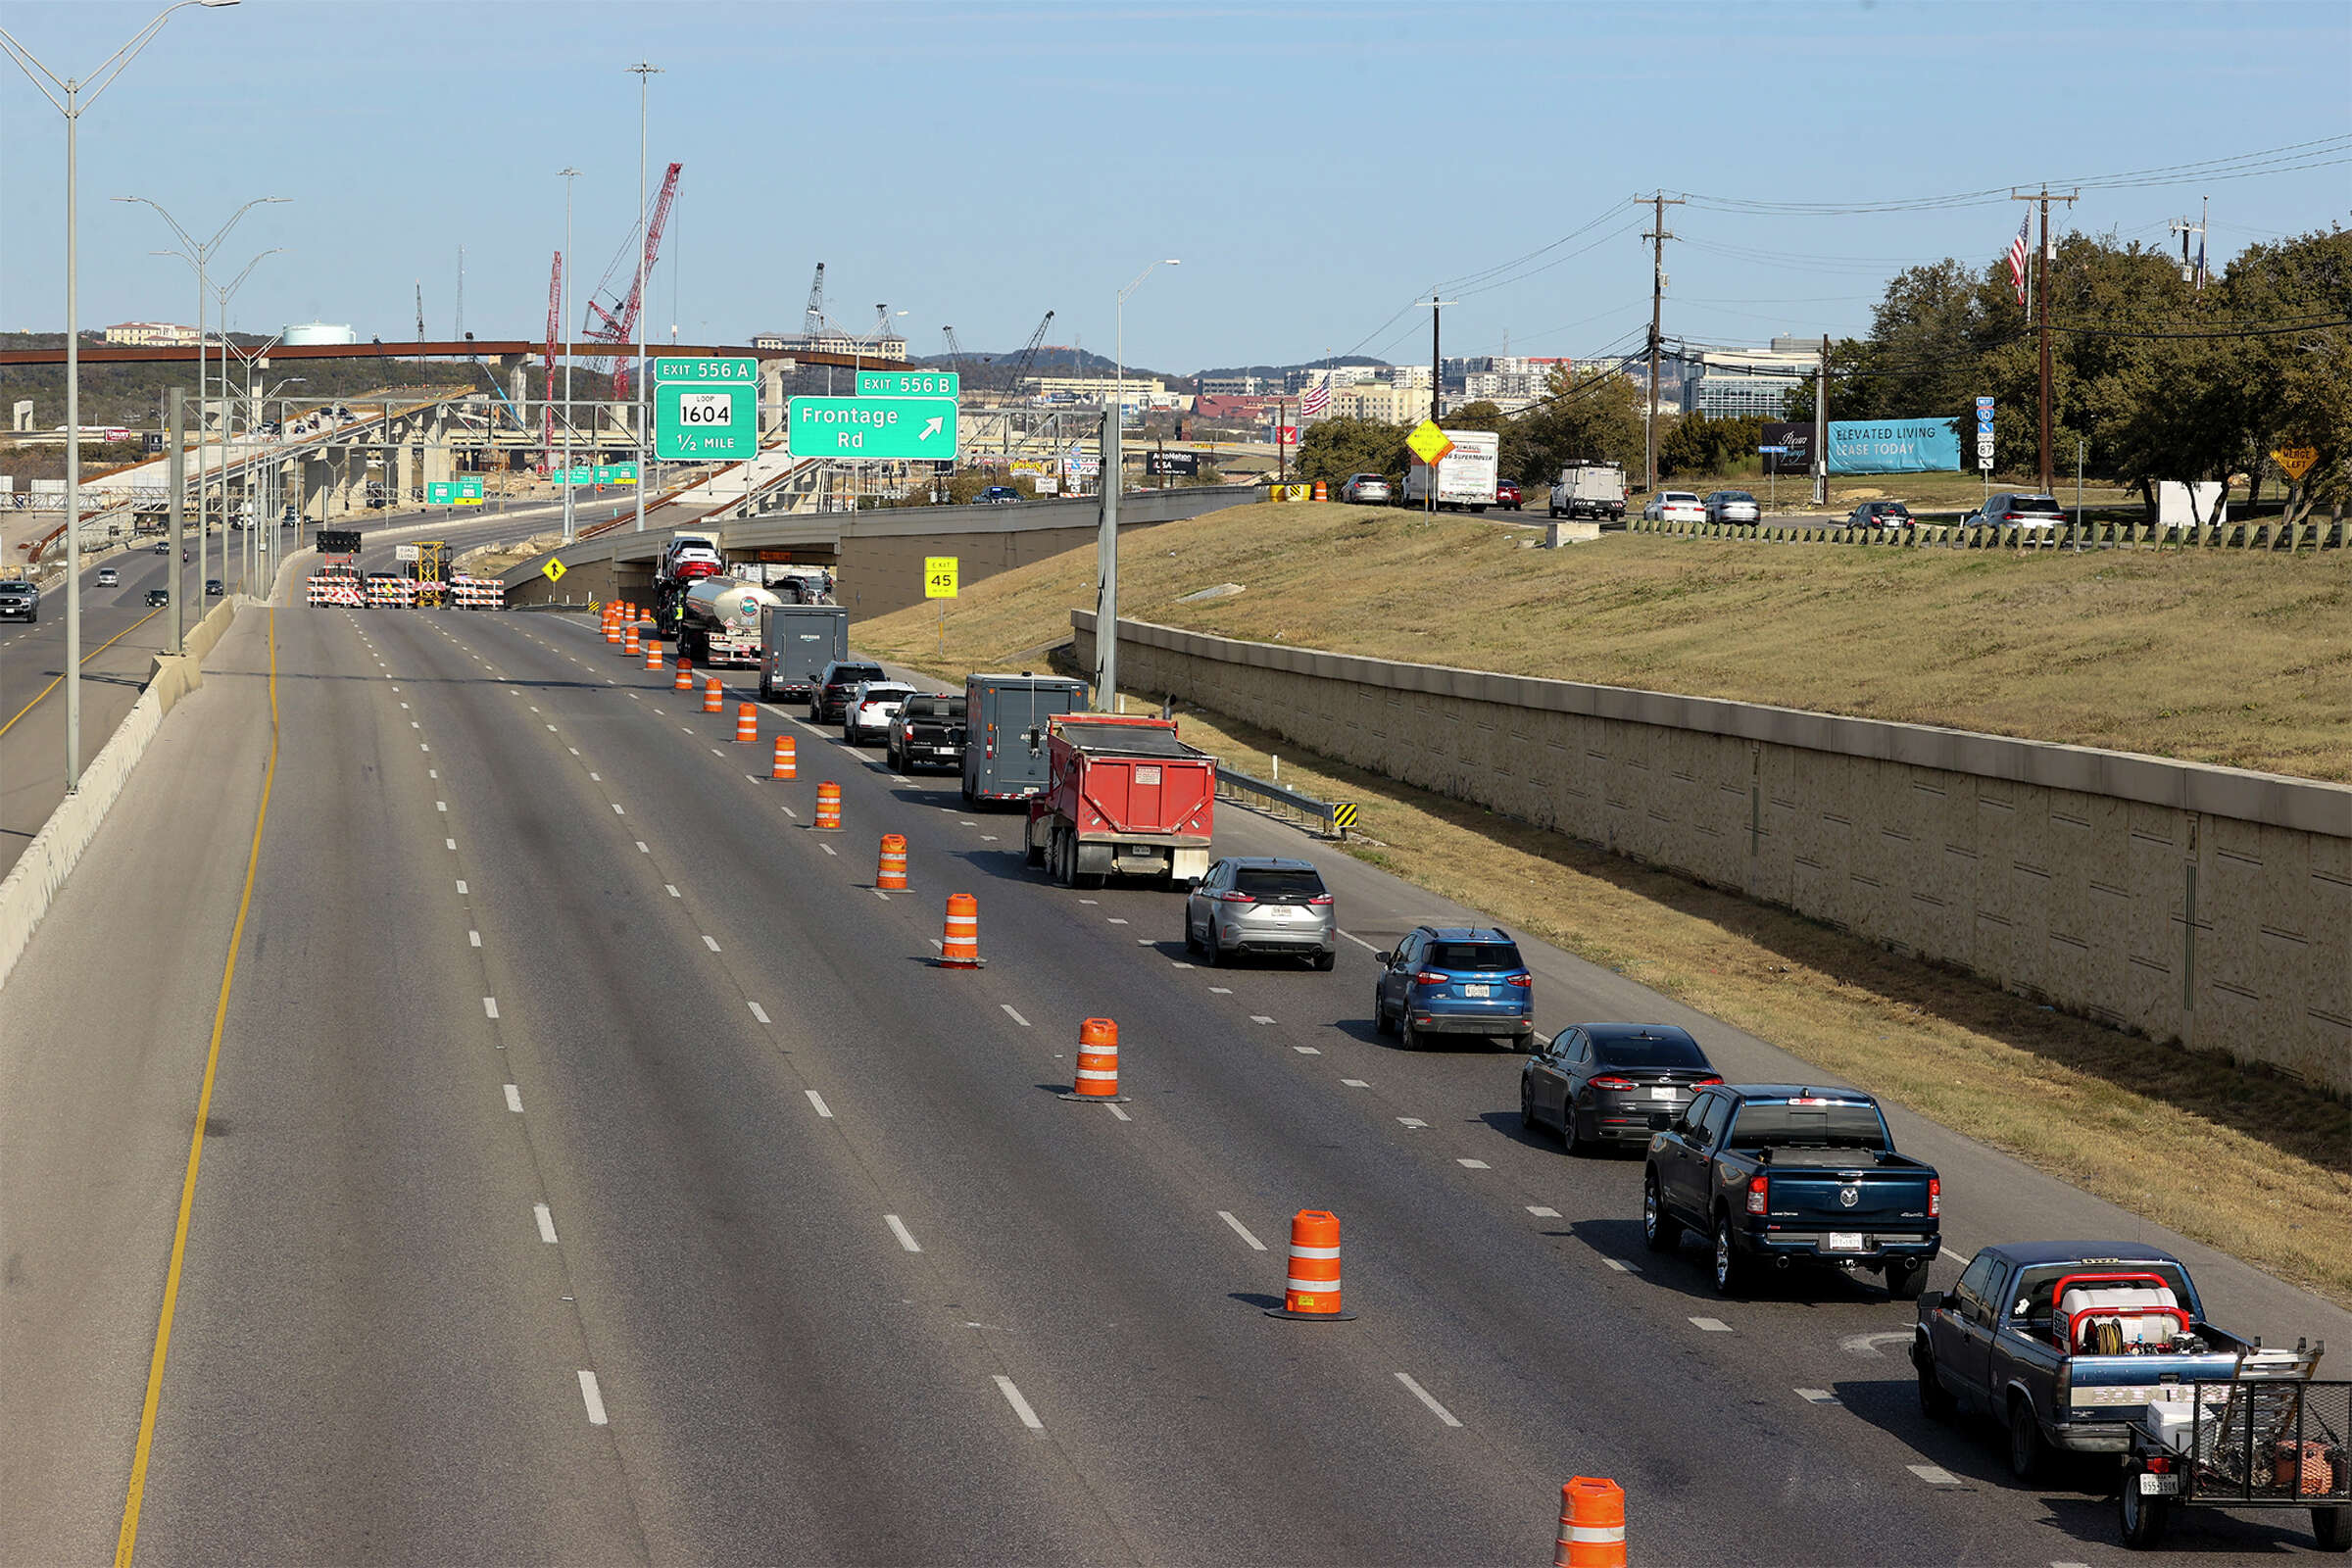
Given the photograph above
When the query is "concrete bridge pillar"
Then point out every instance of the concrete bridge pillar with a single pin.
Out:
(518, 386)
(771, 396)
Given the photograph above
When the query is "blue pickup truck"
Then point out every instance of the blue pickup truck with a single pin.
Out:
(1787, 1173)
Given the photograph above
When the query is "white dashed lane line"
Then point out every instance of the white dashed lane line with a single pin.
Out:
(1935, 1475)
(1542, 1213)
(898, 1228)
(758, 1012)
(1353, 1082)
(547, 1223)
(1424, 1395)
(474, 939)
(1710, 1325)
(1012, 1013)
(490, 1006)
(592, 1398)
(708, 942)
(1241, 1229)
(514, 1099)
(1021, 1406)
(1817, 1396)
(818, 1102)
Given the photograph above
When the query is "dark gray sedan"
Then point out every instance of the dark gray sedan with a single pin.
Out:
(1611, 1083)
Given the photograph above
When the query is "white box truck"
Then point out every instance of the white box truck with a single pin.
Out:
(1465, 475)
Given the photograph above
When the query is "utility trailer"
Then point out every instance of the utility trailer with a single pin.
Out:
(2267, 1436)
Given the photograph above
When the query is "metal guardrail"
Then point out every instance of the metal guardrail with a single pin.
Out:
(1336, 816)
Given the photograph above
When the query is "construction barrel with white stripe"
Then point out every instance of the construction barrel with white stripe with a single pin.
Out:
(1311, 1290)
(1591, 1525)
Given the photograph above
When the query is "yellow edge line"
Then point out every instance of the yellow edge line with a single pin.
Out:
(85, 658)
(128, 1536)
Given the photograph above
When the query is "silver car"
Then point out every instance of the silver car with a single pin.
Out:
(1734, 505)
(1365, 489)
(1252, 904)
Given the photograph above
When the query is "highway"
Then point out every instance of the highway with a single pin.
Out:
(596, 1168)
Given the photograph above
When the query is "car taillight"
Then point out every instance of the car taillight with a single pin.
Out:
(1430, 977)
(1613, 1083)
(1711, 1078)
(2159, 1465)
(1320, 898)
(1236, 896)
(1755, 1195)
(1519, 980)
(1934, 1197)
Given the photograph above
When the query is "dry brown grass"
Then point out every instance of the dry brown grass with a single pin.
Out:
(2271, 1160)
(2216, 656)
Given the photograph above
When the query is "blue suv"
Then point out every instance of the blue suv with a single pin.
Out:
(1456, 980)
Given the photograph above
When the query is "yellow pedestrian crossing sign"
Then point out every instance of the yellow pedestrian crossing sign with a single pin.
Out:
(939, 576)
(552, 571)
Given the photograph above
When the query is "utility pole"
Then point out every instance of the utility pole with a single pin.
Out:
(1436, 380)
(1820, 425)
(2041, 312)
(1657, 235)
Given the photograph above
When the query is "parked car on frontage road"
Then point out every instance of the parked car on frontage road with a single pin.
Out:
(1365, 489)
(1675, 505)
(1880, 514)
(1733, 506)
(2032, 513)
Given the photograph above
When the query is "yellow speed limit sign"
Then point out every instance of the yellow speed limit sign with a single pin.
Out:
(939, 576)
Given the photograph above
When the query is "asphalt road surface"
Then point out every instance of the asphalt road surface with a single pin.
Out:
(596, 1168)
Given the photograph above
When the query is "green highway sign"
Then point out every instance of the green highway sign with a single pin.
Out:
(700, 420)
(738, 373)
(625, 473)
(918, 428)
(441, 492)
(470, 491)
(908, 384)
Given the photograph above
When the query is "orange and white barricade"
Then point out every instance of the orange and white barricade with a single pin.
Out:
(1311, 1290)
(1591, 1525)
(960, 947)
(1097, 1076)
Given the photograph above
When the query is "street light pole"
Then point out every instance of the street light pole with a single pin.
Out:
(563, 305)
(71, 105)
(1107, 545)
(644, 74)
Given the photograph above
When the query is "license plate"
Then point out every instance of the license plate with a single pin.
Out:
(1474, 991)
(1841, 1242)
(2156, 1485)
(1661, 1094)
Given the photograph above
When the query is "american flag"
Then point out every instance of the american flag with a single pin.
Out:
(2017, 257)
(1315, 397)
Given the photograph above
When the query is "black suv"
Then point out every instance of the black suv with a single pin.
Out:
(841, 678)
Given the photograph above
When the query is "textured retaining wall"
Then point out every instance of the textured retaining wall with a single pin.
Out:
(2204, 904)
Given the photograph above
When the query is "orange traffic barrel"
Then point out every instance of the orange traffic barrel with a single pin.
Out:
(712, 702)
(1097, 1076)
(1311, 1290)
(652, 652)
(828, 806)
(961, 948)
(1591, 1525)
(787, 765)
(747, 723)
(1322, 489)
(890, 874)
(613, 629)
(628, 641)
(685, 680)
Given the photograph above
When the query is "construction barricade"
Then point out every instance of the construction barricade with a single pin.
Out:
(828, 808)
(889, 872)
(959, 946)
(1591, 1525)
(787, 763)
(1311, 1290)
(747, 722)
(1097, 1075)
(713, 700)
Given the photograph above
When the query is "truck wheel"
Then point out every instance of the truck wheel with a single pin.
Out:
(1905, 1279)
(2143, 1517)
(2331, 1527)
(1659, 1229)
(1067, 858)
(1935, 1401)
(1032, 852)
(1731, 1269)
(2026, 1447)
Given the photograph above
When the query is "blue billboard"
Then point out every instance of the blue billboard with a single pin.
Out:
(1894, 446)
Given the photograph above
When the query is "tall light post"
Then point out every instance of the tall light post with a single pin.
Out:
(564, 308)
(71, 105)
(644, 74)
(1114, 479)
(197, 256)
(221, 297)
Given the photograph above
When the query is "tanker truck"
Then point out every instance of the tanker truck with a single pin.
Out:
(718, 620)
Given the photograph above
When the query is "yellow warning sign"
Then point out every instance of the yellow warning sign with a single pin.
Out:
(939, 576)
(552, 571)
(1428, 442)
(2296, 460)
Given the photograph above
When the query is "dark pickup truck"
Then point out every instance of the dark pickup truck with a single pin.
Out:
(1792, 1174)
(926, 732)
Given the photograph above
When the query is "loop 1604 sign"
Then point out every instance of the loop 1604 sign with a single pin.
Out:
(697, 422)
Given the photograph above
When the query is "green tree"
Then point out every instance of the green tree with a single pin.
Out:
(1334, 449)
(1589, 415)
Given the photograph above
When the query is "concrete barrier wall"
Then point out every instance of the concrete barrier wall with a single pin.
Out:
(32, 882)
(2207, 906)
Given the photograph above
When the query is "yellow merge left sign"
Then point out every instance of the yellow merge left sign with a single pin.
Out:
(939, 576)
(552, 571)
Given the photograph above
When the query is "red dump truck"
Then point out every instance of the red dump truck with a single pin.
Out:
(1122, 794)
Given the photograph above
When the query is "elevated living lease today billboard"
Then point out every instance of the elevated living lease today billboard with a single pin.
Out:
(1894, 446)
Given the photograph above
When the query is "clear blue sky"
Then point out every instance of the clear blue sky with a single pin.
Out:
(1312, 166)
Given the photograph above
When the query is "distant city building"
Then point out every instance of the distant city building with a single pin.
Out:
(1382, 402)
(1100, 388)
(1235, 409)
(145, 334)
(1234, 386)
(885, 348)
(1338, 376)
(1743, 383)
(317, 332)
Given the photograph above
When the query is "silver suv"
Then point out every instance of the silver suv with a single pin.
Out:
(20, 601)
(1250, 903)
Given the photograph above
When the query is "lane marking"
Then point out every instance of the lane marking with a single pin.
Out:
(474, 939)
(461, 886)
(547, 1223)
(1710, 1325)
(448, 844)
(1013, 1014)
(898, 1228)
(1817, 1396)
(616, 811)
(1220, 991)
(1945, 1251)
(789, 811)
(440, 806)
(1618, 1265)
(1353, 1082)
(127, 1537)
(85, 658)
(514, 1099)
(708, 942)
(1424, 1395)
(827, 848)
(1241, 1229)
(824, 1110)
(1359, 942)
(490, 1006)
(1412, 1121)
(641, 849)
(1306, 1051)
(1935, 1475)
(1120, 1113)
(595, 776)
(1260, 1017)
(758, 1012)
(1116, 921)
(671, 888)
(1021, 1406)
(1473, 1164)
(594, 1400)
(1541, 1211)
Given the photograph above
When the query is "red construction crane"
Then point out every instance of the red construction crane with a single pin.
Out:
(618, 324)
(547, 392)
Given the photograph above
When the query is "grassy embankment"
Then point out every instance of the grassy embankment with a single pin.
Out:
(2209, 656)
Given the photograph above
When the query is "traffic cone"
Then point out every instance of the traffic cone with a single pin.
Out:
(828, 808)
(613, 629)
(1097, 1077)
(685, 680)
(652, 652)
(1591, 1525)
(712, 700)
(746, 725)
(890, 874)
(1311, 1292)
(787, 767)
(628, 641)
(961, 948)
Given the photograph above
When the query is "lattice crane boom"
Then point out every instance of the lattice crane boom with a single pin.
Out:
(812, 315)
(1021, 367)
(618, 324)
